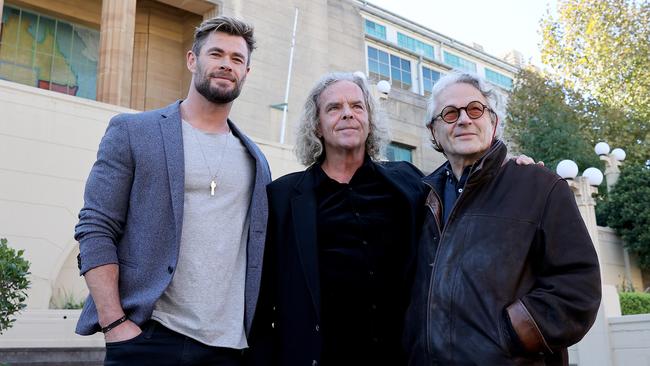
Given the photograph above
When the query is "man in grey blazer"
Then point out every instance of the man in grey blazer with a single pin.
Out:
(172, 231)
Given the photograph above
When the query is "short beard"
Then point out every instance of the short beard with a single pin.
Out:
(217, 95)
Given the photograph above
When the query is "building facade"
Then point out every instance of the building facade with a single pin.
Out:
(67, 66)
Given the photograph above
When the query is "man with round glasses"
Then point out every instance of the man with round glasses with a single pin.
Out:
(506, 273)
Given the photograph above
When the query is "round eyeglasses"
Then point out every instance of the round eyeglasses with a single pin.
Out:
(450, 114)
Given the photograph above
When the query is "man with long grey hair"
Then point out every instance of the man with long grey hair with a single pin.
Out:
(341, 237)
(506, 271)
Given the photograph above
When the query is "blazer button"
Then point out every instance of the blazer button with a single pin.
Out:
(314, 363)
(170, 269)
(317, 328)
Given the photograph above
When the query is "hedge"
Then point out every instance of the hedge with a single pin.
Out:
(634, 303)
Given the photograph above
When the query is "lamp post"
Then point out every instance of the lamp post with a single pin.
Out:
(613, 160)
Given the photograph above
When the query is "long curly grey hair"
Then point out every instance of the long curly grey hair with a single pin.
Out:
(309, 147)
(494, 97)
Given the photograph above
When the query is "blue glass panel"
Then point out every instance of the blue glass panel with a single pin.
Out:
(382, 56)
(383, 69)
(372, 53)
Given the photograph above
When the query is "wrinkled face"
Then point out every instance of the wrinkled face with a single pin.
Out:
(466, 139)
(219, 71)
(343, 117)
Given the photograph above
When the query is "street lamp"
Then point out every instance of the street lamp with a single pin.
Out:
(612, 161)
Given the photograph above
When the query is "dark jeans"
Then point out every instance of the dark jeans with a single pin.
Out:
(160, 346)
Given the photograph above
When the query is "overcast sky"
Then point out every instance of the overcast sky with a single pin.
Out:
(497, 25)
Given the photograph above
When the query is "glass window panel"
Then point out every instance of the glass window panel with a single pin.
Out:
(64, 39)
(394, 61)
(399, 152)
(372, 53)
(382, 56)
(10, 19)
(373, 67)
(395, 74)
(27, 30)
(406, 65)
(45, 35)
(383, 69)
(406, 78)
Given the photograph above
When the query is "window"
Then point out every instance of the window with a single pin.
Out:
(375, 30)
(459, 62)
(498, 78)
(48, 53)
(414, 45)
(384, 66)
(399, 152)
(429, 77)
(378, 64)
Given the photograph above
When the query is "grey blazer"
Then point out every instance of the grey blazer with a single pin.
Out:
(133, 212)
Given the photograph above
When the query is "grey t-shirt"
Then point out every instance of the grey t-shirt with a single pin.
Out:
(205, 300)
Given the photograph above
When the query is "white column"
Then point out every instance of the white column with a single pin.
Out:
(595, 348)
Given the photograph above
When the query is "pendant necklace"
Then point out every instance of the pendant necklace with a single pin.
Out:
(213, 177)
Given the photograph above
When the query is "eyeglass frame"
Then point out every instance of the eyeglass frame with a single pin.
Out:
(439, 115)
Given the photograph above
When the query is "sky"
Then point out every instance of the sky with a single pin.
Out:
(497, 25)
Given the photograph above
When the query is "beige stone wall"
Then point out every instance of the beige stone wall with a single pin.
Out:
(329, 38)
(611, 251)
(48, 142)
(406, 112)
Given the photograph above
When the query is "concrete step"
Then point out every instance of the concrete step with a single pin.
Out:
(59, 356)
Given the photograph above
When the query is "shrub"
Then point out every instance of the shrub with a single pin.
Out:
(14, 270)
(634, 303)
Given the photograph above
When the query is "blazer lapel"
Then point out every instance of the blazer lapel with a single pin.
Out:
(172, 133)
(303, 211)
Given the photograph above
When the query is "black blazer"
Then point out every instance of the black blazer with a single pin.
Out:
(286, 328)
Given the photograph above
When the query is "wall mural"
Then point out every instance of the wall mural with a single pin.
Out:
(48, 53)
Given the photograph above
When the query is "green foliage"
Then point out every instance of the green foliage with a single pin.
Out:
(550, 123)
(628, 210)
(634, 303)
(66, 301)
(13, 283)
(601, 48)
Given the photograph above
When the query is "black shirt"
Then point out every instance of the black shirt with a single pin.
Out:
(362, 248)
(452, 189)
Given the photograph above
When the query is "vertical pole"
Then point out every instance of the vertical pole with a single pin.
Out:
(288, 87)
(1, 6)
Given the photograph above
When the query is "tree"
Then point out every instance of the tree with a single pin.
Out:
(13, 283)
(549, 122)
(601, 48)
(628, 210)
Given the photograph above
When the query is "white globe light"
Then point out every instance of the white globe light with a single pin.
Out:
(567, 169)
(360, 74)
(594, 176)
(618, 154)
(383, 86)
(602, 148)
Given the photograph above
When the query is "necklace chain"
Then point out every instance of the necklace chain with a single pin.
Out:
(213, 177)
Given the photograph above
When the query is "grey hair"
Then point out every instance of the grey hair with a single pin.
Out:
(309, 147)
(495, 99)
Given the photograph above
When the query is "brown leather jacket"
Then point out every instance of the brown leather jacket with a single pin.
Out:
(511, 279)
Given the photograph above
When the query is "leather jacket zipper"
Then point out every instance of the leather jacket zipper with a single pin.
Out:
(435, 258)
